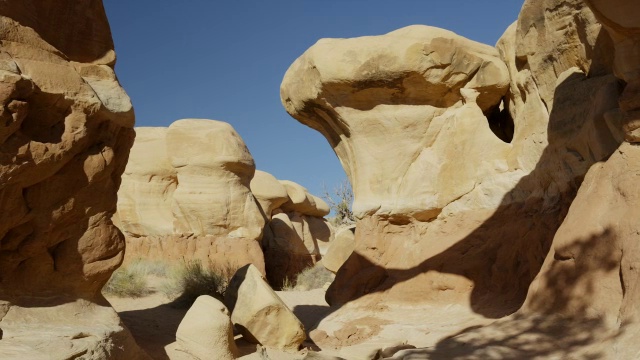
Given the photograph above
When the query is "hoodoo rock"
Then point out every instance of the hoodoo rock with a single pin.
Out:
(465, 158)
(185, 195)
(297, 236)
(269, 192)
(65, 133)
(453, 156)
(191, 192)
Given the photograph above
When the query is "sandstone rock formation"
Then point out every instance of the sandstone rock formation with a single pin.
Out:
(341, 248)
(65, 135)
(420, 119)
(206, 331)
(297, 235)
(259, 314)
(191, 192)
(269, 192)
(590, 273)
(464, 160)
(185, 196)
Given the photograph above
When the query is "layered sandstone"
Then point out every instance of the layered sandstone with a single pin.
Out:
(422, 120)
(591, 273)
(65, 135)
(572, 120)
(297, 236)
(185, 196)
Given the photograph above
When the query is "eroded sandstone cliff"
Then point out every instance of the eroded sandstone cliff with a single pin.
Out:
(490, 146)
(65, 133)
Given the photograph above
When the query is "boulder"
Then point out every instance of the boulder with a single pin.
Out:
(297, 235)
(269, 192)
(259, 314)
(301, 201)
(185, 196)
(214, 168)
(340, 249)
(206, 331)
(66, 127)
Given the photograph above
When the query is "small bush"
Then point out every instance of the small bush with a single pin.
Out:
(313, 278)
(127, 282)
(150, 267)
(340, 201)
(191, 280)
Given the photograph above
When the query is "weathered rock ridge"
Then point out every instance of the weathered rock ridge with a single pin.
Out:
(65, 133)
(466, 160)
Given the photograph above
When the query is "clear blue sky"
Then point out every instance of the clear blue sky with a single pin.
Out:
(225, 60)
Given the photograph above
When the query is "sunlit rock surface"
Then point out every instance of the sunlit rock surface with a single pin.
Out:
(65, 133)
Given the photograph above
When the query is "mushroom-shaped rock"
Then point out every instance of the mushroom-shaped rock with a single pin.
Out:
(389, 106)
(340, 249)
(438, 189)
(214, 168)
(300, 200)
(206, 331)
(269, 192)
(260, 315)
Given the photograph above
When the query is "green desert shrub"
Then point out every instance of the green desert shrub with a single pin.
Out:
(313, 277)
(185, 283)
(127, 282)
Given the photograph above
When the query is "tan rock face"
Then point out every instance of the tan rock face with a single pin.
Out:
(214, 169)
(591, 270)
(621, 19)
(376, 96)
(206, 331)
(340, 249)
(260, 314)
(66, 127)
(186, 195)
(64, 142)
(297, 235)
(269, 192)
(450, 212)
(149, 181)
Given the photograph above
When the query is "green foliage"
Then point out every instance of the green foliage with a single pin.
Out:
(340, 200)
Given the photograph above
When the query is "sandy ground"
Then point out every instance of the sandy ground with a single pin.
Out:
(351, 332)
(153, 321)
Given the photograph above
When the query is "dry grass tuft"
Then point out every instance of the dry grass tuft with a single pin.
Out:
(313, 277)
(127, 281)
(185, 283)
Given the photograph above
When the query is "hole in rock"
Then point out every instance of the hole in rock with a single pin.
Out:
(500, 122)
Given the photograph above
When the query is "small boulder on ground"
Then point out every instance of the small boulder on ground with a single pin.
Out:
(340, 249)
(259, 314)
(206, 331)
